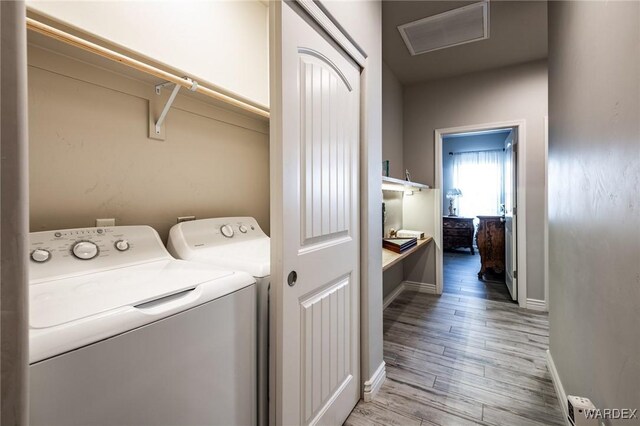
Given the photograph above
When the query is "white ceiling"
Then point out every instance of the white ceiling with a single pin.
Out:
(518, 34)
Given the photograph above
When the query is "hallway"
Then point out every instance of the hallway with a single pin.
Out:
(462, 358)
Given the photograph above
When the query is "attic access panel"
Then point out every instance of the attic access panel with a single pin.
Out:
(451, 28)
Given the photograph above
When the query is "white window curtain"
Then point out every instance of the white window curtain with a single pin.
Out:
(479, 175)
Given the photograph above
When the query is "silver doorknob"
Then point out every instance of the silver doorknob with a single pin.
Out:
(292, 278)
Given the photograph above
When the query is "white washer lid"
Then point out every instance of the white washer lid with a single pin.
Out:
(252, 257)
(53, 303)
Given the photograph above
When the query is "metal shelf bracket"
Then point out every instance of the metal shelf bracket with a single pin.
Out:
(172, 97)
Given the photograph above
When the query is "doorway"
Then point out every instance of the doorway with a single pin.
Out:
(482, 233)
(474, 187)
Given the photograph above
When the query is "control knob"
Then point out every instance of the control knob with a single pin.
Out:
(85, 250)
(243, 229)
(122, 245)
(40, 255)
(226, 230)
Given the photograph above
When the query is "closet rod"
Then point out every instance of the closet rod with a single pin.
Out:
(72, 40)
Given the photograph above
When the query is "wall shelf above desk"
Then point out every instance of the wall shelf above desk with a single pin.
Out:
(393, 184)
(390, 258)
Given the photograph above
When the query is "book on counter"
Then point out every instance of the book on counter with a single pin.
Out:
(407, 233)
(399, 245)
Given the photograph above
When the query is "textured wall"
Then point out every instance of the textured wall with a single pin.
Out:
(594, 200)
(90, 156)
(393, 201)
(392, 142)
(512, 93)
(392, 139)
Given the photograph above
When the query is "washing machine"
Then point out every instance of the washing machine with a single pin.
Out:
(122, 334)
(236, 243)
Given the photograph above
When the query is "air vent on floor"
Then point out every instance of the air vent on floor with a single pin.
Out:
(454, 27)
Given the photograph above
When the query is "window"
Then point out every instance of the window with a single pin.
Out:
(479, 175)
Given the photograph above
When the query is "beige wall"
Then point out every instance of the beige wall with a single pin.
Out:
(392, 141)
(392, 150)
(392, 122)
(512, 93)
(393, 201)
(90, 156)
(392, 277)
(594, 193)
(224, 43)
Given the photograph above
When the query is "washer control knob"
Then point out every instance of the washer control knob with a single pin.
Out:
(227, 231)
(40, 255)
(122, 245)
(243, 229)
(85, 250)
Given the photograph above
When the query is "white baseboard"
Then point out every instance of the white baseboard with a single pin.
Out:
(420, 287)
(557, 384)
(536, 305)
(373, 385)
(392, 296)
(411, 286)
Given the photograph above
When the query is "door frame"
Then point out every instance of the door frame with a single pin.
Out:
(521, 226)
(546, 213)
(14, 217)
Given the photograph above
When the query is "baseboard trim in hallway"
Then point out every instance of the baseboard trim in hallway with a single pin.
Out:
(420, 287)
(562, 396)
(537, 305)
(408, 285)
(373, 385)
(393, 295)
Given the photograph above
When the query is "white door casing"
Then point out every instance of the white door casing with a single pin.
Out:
(519, 127)
(510, 213)
(315, 120)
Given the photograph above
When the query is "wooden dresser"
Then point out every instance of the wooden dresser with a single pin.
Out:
(490, 242)
(457, 232)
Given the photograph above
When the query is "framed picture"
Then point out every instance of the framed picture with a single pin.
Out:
(385, 168)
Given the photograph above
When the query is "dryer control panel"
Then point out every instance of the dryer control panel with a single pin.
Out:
(76, 251)
(216, 231)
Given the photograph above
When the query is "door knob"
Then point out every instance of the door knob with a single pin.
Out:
(292, 278)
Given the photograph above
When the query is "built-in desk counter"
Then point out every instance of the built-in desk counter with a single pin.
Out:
(390, 258)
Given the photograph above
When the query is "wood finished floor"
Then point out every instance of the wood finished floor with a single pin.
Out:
(461, 277)
(463, 358)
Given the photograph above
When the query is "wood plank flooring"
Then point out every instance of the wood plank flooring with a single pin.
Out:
(461, 277)
(466, 357)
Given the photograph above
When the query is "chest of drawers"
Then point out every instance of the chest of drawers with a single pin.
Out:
(457, 232)
(490, 241)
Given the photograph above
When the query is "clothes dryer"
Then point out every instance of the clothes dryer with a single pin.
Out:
(235, 243)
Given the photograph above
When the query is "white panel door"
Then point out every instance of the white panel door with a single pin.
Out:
(315, 231)
(510, 216)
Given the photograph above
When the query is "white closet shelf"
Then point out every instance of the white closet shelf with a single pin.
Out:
(393, 184)
(141, 67)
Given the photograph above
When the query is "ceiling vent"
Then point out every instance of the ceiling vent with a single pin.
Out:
(452, 28)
